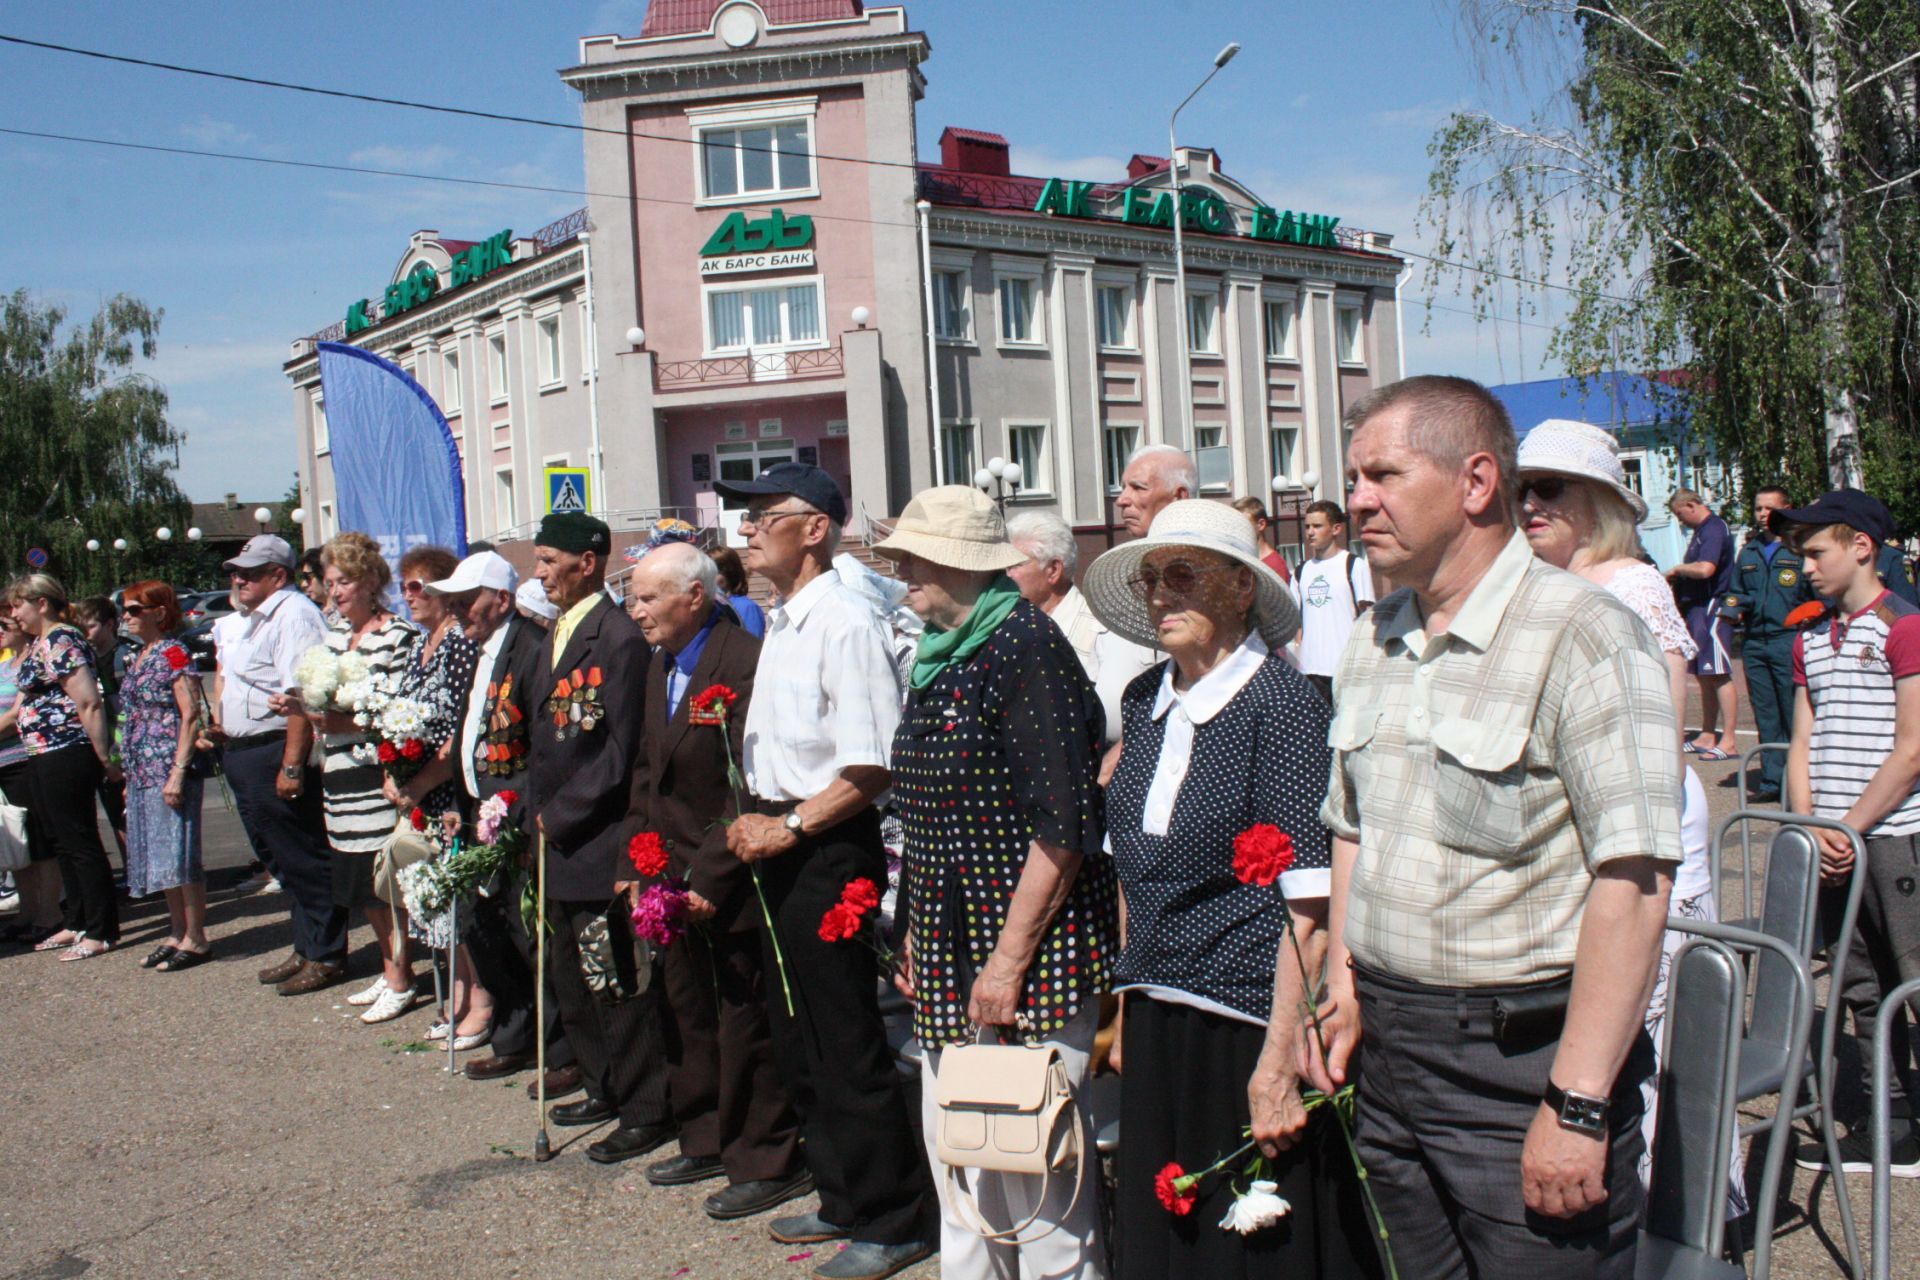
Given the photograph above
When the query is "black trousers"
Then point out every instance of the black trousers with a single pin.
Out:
(727, 1092)
(1443, 1117)
(618, 1043)
(296, 832)
(63, 783)
(18, 790)
(832, 1049)
(502, 955)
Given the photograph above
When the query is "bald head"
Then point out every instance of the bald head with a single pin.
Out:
(1156, 474)
(671, 594)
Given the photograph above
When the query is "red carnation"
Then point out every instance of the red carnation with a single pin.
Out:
(1175, 1199)
(860, 895)
(419, 819)
(840, 923)
(1811, 611)
(385, 753)
(715, 697)
(648, 854)
(413, 748)
(177, 658)
(1261, 853)
(508, 798)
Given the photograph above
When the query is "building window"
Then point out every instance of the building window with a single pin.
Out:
(450, 382)
(952, 314)
(497, 366)
(322, 441)
(1122, 440)
(1027, 447)
(505, 514)
(741, 461)
(1283, 444)
(1203, 336)
(1347, 334)
(758, 159)
(1634, 467)
(589, 356)
(755, 317)
(1113, 315)
(1211, 455)
(1017, 295)
(327, 526)
(1280, 342)
(547, 340)
(956, 448)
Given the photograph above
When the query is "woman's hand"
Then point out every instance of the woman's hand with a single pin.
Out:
(903, 969)
(397, 795)
(175, 790)
(996, 993)
(1119, 1036)
(1273, 1100)
(114, 773)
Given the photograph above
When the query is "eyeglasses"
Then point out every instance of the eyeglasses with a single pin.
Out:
(1179, 578)
(1545, 488)
(133, 610)
(413, 586)
(761, 519)
(250, 575)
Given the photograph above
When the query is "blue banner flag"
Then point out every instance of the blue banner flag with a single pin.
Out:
(396, 472)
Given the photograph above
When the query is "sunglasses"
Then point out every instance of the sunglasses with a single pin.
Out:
(1545, 488)
(133, 610)
(1179, 578)
(413, 586)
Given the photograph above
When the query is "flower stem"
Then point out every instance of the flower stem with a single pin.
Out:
(779, 957)
(738, 785)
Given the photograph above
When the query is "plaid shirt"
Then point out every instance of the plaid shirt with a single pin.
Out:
(1486, 771)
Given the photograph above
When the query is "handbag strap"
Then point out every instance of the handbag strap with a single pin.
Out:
(976, 1222)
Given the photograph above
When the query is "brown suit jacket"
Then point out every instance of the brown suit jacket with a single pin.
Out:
(680, 790)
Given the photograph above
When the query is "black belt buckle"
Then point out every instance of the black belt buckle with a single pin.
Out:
(1534, 1015)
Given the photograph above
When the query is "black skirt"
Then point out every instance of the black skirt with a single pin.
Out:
(353, 881)
(1183, 1098)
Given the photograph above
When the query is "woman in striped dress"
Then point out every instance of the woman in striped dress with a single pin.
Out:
(360, 818)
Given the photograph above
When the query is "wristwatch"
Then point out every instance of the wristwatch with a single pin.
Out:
(1581, 1112)
(292, 772)
(793, 825)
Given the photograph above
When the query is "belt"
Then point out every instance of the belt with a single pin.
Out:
(1410, 987)
(774, 808)
(244, 741)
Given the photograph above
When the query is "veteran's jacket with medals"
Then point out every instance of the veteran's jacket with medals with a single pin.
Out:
(514, 706)
(584, 741)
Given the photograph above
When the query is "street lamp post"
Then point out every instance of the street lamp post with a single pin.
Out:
(1220, 60)
(1000, 480)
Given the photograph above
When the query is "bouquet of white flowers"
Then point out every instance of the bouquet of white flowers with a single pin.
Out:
(318, 676)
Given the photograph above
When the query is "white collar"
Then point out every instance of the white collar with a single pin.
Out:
(1212, 692)
(808, 596)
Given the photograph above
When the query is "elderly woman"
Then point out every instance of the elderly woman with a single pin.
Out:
(38, 881)
(1224, 740)
(1579, 514)
(359, 817)
(63, 721)
(161, 717)
(1012, 900)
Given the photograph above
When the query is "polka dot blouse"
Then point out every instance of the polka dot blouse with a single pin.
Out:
(993, 754)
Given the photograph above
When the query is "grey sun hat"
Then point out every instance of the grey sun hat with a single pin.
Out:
(1564, 447)
(1203, 525)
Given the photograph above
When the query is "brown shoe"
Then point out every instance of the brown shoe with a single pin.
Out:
(273, 975)
(498, 1065)
(312, 977)
(560, 1083)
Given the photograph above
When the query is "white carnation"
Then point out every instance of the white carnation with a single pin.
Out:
(354, 668)
(1259, 1207)
(317, 675)
(403, 718)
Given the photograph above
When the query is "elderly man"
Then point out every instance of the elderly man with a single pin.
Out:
(1701, 582)
(591, 680)
(1156, 474)
(819, 736)
(736, 1118)
(1505, 806)
(1046, 580)
(266, 757)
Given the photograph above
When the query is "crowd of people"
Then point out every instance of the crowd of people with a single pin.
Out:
(1191, 815)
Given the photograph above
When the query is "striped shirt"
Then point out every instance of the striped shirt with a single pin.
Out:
(1488, 770)
(1849, 668)
(359, 819)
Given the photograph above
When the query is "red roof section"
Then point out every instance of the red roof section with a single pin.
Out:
(971, 135)
(685, 17)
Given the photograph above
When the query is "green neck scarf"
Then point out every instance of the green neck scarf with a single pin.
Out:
(942, 649)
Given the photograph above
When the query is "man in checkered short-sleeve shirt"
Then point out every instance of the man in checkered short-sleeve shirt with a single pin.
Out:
(1505, 805)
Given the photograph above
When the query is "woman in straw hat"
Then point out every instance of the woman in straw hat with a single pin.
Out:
(1226, 753)
(1579, 514)
(1013, 906)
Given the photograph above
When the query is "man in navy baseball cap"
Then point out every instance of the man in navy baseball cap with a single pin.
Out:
(809, 484)
(1859, 511)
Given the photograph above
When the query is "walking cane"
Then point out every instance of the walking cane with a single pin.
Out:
(542, 1148)
(453, 946)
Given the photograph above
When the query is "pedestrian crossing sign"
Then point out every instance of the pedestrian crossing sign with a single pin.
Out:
(568, 489)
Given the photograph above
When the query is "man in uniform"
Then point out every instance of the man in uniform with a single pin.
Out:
(1768, 584)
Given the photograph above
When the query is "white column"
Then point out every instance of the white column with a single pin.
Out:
(1065, 337)
(1150, 342)
(1246, 403)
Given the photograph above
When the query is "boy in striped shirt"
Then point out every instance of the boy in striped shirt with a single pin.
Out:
(1856, 758)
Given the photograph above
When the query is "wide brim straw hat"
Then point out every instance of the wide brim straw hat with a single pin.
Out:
(1563, 447)
(955, 525)
(1199, 524)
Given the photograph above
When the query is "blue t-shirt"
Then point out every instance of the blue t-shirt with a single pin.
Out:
(1712, 541)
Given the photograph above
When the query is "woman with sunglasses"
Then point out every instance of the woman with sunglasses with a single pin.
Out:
(1224, 740)
(1579, 514)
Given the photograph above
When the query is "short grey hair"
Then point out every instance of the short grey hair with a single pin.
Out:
(1176, 465)
(1044, 536)
(685, 564)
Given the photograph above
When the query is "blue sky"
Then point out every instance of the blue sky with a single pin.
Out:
(1328, 108)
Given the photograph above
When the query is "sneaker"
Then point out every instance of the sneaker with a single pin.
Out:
(9, 902)
(368, 995)
(1856, 1154)
(390, 1005)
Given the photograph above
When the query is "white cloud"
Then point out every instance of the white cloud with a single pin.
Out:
(219, 135)
(1424, 117)
(408, 158)
(1040, 162)
(194, 364)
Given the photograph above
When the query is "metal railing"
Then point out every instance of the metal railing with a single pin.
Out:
(777, 366)
(564, 229)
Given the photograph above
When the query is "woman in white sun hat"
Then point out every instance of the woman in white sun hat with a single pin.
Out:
(1224, 738)
(1579, 514)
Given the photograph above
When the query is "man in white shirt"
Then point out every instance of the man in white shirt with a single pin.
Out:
(1156, 474)
(1333, 587)
(819, 738)
(1046, 580)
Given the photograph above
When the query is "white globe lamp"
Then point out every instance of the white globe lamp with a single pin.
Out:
(93, 544)
(194, 534)
(119, 544)
(163, 533)
(636, 336)
(1310, 479)
(983, 478)
(299, 515)
(1012, 475)
(262, 514)
(860, 317)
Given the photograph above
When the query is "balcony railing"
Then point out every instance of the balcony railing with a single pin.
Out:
(772, 366)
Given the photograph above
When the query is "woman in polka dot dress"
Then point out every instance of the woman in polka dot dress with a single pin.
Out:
(1013, 903)
(1224, 736)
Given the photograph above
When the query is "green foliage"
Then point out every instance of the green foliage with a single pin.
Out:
(1730, 190)
(88, 450)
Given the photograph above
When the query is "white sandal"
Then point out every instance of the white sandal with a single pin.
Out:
(368, 995)
(463, 1043)
(389, 1006)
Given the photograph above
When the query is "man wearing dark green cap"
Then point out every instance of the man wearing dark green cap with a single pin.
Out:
(580, 759)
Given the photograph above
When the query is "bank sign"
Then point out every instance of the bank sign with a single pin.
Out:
(773, 243)
(423, 282)
(1200, 210)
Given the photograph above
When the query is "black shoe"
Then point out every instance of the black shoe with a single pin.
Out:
(1765, 795)
(1856, 1154)
(626, 1142)
(683, 1171)
(584, 1112)
(744, 1199)
(805, 1228)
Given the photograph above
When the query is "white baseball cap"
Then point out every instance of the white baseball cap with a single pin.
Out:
(532, 597)
(487, 570)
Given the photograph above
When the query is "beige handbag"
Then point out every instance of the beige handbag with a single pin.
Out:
(1006, 1109)
(402, 849)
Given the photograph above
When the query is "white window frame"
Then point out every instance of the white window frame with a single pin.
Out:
(1354, 355)
(1633, 465)
(948, 426)
(1276, 431)
(451, 392)
(1129, 326)
(1290, 351)
(1210, 428)
(1210, 347)
(498, 388)
(510, 519)
(754, 448)
(1113, 461)
(327, 528)
(964, 338)
(780, 283)
(1005, 270)
(702, 120)
(322, 436)
(1036, 475)
(544, 324)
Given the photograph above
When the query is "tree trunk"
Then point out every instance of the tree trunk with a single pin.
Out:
(1830, 294)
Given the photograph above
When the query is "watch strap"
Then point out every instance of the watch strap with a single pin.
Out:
(1579, 1111)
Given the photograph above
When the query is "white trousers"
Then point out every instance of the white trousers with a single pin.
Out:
(1072, 1250)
